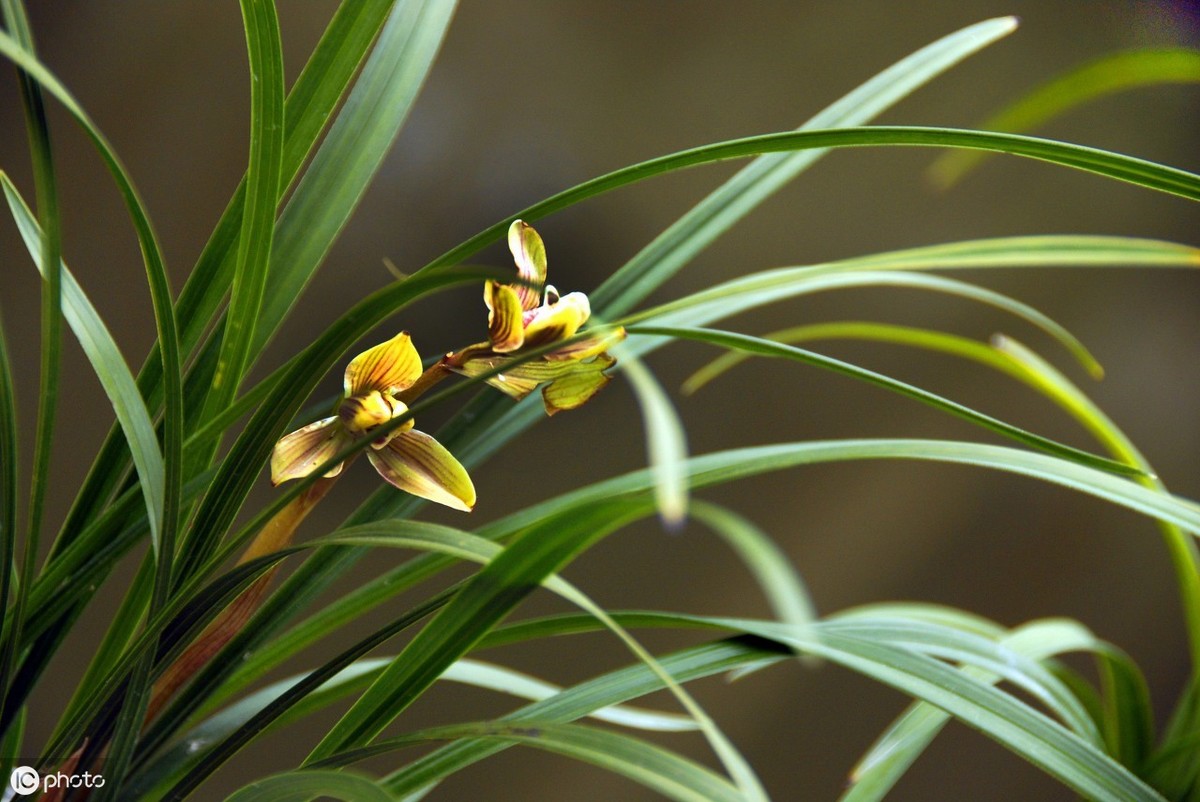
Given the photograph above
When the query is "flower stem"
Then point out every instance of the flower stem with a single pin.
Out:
(275, 535)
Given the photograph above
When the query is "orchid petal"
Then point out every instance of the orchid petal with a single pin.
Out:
(506, 328)
(530, 255)
(387, 368)
(416, 463)
(589, 347)
(517, 386)
(558, 321)
(573, 389)
(296, 454)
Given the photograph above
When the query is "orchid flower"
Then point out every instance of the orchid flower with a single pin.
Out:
(532, 314)
(412, 461)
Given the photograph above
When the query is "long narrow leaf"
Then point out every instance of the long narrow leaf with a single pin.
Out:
(262, 194)
(1106, 75)
(693, 232)
(347, 160)
(666, 441)
(301, 786)
(662, 771)
(310, 104)
(505, 581)
(763, 347)
(9, 489)
(928, 339)
(50, 249)
(772, 569)
(110, 368)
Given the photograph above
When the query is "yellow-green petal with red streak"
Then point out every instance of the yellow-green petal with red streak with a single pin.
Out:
(529, 253)
(558, 321)
(506, 326)
(296, 454)
(416, 463)
(589, 347)
(387, 368)
(573, 389)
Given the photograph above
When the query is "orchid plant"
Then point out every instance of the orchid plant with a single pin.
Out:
(187, 673)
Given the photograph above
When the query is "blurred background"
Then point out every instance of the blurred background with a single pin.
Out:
(532, 96)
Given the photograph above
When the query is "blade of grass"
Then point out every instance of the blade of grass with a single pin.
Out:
(995, 657)
(904, 741)
(693, 232)
(352, 151)
(260, 720)
(666, 440)
(9, 490)
(310, 104)
(496, 590)
(662, 771)
(157, 279)
(1116, 72)
(262, 194)
(262, 181)
(169, 766)
(770, 348)
(927, 339)
(483, 602)
(1035, 738)
(999, 715)
(46, 187)
(772, 569)
(300, 786)
(1119, 167)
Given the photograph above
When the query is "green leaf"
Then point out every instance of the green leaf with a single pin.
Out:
(721, 209)
(724, 466)
(770, 566)
(762, 347)
(1010, 657)
(262, 191)
(49, 253)
(184, 753)
(1117, 72)
(1036, 739)
(250, 451)
(505, 680)
(666, 441)
(9, 490)
(770, 286)
(997, 714)
(927, 339)
(313, 100)
(648, 764)
(352, 151)
(1119, 167)
(159, 286)
(301, 786)
(612, 688)
(262, 194)
(1185, 556)
(484, 600)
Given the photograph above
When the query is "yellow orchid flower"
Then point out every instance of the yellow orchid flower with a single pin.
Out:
(532, 314)
(412, 461)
